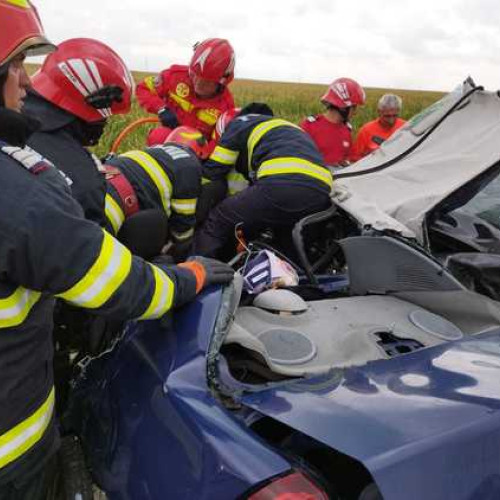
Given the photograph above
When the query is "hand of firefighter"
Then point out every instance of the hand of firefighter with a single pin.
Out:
(167, 118)
(208, 272)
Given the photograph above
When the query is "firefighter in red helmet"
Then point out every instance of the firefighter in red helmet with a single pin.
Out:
(331, 130)
(193, 95)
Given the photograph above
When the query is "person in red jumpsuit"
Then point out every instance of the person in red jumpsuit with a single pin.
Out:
(372, 134)
(331, 130)
(193, 95)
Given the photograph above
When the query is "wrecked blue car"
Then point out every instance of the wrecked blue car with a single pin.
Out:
(377, 376)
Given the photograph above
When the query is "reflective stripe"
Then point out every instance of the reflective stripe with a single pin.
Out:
(114, 213)
(259, 131)
(182, 236)
(204, 181)
(224, 156)
(15, 308)
(25, 435)
(20, 3)
(295, 166)
(108, 272)
(156, 173)
(163, 296)
(236, 182)
(185, 105)
(206, 117)
(185, 207)
(150, 81)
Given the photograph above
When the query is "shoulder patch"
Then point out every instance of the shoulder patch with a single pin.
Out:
(311, 119)
(32, 161)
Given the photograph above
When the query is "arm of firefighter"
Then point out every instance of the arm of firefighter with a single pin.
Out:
(113, 210)
(148, 94)
(60, 253)
(187, 188)
(222, 160)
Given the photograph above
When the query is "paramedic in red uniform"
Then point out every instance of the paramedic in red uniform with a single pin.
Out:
(372, 134)
(331, 130)
(193, 95)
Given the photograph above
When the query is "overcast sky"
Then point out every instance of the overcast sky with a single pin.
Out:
(418, 44)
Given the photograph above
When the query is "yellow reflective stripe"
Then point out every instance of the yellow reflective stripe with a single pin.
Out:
(224, 156)
(108, 272)
(295, 166)
(25, 435)
(149, 81)
(185, 105)
(20, 3)
(260, 130)
(236, 182)
(156, 173)
(15, 308)
(183, 236)
(206, 117)
(204, 181)
(163, 296)
(114, 213)
(185, 207)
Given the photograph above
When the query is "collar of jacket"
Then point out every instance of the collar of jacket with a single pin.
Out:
(15, 128)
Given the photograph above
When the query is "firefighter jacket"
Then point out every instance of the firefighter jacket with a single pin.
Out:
(55, 142)
(334, 140)
(262, 148)
(173, 89)
(49, 250)
(166, 177)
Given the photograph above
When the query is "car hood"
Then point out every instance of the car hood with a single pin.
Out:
(433, 155)
(426, 424)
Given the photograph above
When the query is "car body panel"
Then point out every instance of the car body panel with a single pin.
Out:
(150, 427)
(425, 425)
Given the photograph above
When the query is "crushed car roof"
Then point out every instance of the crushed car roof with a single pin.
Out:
(437, 152)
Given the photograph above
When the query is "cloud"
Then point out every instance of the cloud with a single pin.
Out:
(425, 44)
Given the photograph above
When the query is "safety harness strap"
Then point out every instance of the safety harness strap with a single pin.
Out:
(124, 189)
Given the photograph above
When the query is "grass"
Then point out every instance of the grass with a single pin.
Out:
(292, 101)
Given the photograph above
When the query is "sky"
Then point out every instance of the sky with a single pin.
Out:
(400, 44)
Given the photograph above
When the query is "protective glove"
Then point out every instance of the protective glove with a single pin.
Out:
(168, 118)
(208, 272)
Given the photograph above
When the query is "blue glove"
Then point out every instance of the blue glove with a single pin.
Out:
(168, 118)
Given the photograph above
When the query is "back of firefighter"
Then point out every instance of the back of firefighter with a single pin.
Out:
(287, 179)
(48, 250)
(193, 95)
(166, 177)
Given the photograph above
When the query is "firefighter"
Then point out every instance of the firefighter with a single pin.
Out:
(331, 130)
(193, 95)
(73, 117)
(287, 179)
(372, 134)
(49, 250)
(167, 178)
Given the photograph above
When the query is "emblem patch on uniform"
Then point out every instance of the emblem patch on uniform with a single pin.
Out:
(182, 90)
(346, 144)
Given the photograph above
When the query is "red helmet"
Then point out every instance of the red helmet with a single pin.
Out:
(192, 138)
(224, 120)
(213, 60)
(86, 78)
(344, 93)
(22, 30)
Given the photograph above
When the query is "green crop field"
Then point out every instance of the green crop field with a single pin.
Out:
(292, 101)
